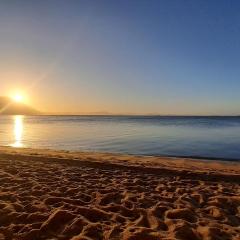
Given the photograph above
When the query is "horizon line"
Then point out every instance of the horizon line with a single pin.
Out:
(129, 114)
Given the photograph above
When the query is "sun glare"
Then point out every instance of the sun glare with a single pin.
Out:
(18, 98)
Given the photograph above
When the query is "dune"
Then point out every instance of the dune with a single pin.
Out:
(9, 107)
(47, 194)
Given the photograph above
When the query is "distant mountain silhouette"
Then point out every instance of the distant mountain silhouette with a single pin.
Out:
(9, 107)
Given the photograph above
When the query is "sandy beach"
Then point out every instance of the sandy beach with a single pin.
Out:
(64, 195)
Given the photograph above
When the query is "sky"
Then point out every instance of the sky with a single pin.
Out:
(178, 57)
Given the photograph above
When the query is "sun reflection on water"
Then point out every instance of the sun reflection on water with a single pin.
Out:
(18, 131)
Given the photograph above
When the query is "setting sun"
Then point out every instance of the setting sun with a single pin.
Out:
(18, 98)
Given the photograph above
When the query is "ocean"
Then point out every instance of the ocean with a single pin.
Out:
(201, 137)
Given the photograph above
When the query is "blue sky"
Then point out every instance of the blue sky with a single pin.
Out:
(139, 57)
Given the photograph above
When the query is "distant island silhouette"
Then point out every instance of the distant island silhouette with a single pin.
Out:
(10, 107)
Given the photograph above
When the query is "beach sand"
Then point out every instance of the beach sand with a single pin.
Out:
(47, 194)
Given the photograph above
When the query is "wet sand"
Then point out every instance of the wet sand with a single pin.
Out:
(62, 195)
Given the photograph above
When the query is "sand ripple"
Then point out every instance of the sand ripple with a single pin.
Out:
(54, 200)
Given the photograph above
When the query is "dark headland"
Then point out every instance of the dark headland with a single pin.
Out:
(10, 107)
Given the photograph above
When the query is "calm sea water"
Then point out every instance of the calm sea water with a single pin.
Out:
(214, 137)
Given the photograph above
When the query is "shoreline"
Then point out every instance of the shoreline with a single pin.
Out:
(186, 166)
(62, 195)
(22, 150)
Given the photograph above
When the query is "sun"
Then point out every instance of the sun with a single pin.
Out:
(18, 98)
